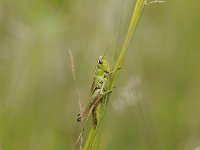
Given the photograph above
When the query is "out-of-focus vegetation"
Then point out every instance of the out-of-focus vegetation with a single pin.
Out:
(156, 102)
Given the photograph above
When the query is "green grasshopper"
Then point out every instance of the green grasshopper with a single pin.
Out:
(98, 92)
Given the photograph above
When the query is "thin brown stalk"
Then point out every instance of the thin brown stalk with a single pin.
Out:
(78, 98)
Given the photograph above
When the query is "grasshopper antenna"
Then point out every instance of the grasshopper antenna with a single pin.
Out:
(78, 98)
(105, 51)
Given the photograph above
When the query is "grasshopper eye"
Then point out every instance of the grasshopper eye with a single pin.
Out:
(100, 61)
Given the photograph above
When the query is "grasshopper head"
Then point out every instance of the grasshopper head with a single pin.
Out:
(102, 64)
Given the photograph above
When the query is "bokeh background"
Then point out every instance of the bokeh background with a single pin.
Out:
(156, 102)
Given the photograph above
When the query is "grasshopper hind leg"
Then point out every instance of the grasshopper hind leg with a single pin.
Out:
(93, 106)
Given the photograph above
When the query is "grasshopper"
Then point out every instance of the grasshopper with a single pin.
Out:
(98, 91)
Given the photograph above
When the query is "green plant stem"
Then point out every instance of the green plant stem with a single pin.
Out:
(92, 138)
(134, 20)
(89, 139)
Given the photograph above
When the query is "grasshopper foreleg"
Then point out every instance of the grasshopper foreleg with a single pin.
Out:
(110, 73)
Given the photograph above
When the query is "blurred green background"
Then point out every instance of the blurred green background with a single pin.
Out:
(156, 104)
